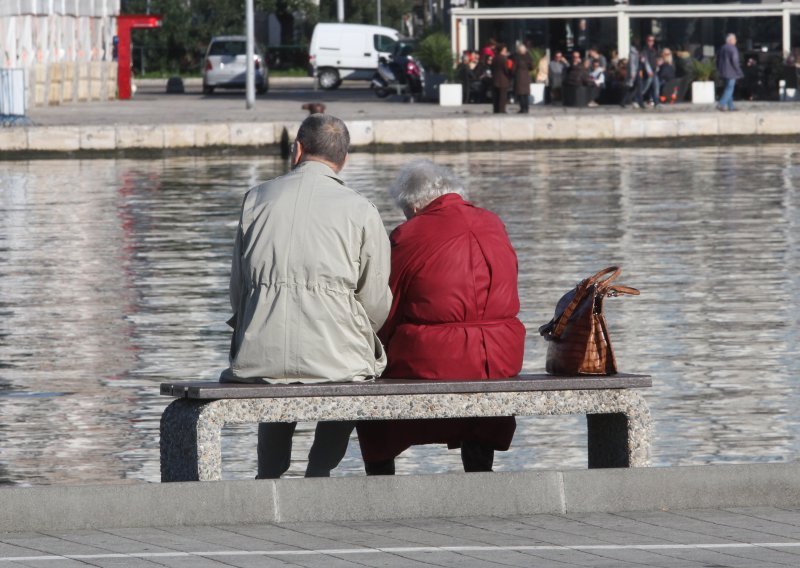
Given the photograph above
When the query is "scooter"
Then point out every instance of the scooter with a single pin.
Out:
(405, 76)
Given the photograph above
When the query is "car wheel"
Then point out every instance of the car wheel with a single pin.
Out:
(328, 79)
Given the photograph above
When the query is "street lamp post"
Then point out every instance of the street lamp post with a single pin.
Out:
(250, 75)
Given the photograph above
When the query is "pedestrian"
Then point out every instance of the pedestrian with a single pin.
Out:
(729, 70)
(523, 66)
(309, 289)
(633, 79)
(501, 79)
(556, 71)
(652, 86)
(454, 315)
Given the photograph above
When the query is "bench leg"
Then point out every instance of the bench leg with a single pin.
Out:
(190, 442)
(608, 440)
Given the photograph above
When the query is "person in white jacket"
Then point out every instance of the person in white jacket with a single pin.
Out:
(309, 288)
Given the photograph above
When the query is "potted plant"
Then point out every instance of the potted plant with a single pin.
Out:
(436, 56)
(703, 72)
(537, 88)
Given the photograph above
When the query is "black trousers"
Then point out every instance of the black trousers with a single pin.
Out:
(499, 100)
(524, 101)
(275, 448)
(474, 456)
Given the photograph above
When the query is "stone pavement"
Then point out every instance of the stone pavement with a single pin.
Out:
(736, 537)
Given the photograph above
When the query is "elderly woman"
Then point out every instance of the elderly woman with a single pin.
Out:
(454, 315)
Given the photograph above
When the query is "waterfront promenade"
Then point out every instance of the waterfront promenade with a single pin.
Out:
(156, 121)
(739, 515)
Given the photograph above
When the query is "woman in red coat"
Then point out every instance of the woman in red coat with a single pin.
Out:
(454, 315)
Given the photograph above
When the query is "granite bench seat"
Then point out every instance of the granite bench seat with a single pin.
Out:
(617, 416)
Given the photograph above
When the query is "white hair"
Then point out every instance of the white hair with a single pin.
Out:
(421, 181)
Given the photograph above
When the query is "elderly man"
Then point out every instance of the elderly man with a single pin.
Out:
(309, 288)
(729, 70)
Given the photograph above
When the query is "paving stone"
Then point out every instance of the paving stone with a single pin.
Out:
(159, 538)
(219, 538)
(746, 524)
(347, 534)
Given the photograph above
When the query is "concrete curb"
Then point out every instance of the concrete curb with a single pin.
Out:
(373, 134)
(369, 498)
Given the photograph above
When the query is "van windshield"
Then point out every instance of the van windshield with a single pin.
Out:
(384, 43)
(232, 48)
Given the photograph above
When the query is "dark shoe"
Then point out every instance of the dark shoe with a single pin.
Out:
(385, 467)
(476, 457)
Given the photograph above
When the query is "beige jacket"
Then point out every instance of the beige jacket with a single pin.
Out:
(309, 282)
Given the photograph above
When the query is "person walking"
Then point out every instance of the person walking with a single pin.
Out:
(729, 70)
(501, 79)
(309, 289)
(523, 66)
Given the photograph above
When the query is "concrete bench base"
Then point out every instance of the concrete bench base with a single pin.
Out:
(619, 423)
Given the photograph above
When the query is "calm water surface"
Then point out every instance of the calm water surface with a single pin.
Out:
(113, 278)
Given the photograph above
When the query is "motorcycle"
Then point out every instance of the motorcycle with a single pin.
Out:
(401, 75)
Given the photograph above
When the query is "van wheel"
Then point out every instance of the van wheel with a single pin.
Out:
(382, 92)
(328, 79)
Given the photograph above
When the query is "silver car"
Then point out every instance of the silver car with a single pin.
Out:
(225, 65)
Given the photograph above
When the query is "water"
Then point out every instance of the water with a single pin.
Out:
(113, 278)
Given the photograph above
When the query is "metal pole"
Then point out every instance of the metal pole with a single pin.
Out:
(250, 75)
(340, 10)
(379, 12)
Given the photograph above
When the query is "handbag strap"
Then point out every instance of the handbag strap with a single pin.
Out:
(613, 291)
(602, 286)
(604, 278)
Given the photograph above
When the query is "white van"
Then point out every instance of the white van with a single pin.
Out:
(341, 52)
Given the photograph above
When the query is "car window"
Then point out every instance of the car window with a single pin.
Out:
(384, 43)
(232, 48)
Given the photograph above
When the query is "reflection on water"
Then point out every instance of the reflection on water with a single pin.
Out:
(113, 278)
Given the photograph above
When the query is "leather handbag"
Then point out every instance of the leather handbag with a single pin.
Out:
(577, 336)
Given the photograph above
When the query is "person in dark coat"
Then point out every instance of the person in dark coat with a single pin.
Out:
(501, 79)
(453, 315)
(729, 70)
(523, 66)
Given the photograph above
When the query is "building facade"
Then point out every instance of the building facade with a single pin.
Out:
(768, 26)
(65, 47)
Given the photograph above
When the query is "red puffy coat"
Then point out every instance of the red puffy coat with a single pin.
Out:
(454, 316)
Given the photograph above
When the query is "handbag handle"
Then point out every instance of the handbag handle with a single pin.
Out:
(611, 273)
(603, 286)
(614, 291)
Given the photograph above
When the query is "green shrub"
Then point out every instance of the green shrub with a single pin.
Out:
(704, 70)
(435, 54)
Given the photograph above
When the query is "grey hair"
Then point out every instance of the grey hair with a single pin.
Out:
(326, 137)
(421, 181)
(729, 37)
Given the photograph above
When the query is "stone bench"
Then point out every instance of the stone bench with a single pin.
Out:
(617, 416)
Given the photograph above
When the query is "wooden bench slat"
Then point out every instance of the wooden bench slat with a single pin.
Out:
(212, 390)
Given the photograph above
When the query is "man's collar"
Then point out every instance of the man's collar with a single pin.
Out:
(317, 167)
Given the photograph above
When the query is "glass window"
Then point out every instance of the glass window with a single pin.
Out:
(384, 43)
(232, 48)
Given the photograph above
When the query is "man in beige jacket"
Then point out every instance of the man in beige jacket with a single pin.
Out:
(309, 288)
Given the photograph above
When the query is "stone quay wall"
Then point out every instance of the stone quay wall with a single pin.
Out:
(375, 134)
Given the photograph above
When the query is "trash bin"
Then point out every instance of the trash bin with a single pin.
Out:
(12, 92)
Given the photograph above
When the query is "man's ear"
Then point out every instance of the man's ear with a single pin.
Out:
(297, 153)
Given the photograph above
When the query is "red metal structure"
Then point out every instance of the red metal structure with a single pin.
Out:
(126, 23)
